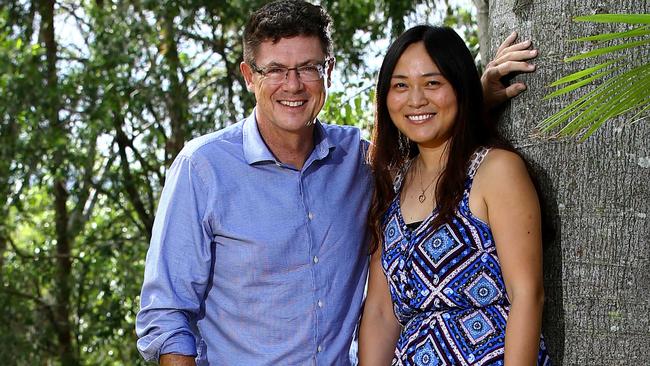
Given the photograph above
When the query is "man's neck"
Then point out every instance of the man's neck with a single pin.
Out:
(291, 148)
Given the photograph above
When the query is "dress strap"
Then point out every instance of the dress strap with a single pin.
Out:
(476, 160)
(399, 177)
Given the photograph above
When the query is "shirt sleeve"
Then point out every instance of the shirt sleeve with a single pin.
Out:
(177, 268)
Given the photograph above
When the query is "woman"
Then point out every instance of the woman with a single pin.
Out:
(456, 268)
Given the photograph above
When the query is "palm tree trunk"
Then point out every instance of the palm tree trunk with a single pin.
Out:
(595, 196)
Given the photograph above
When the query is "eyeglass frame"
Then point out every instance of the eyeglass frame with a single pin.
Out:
(321, 67)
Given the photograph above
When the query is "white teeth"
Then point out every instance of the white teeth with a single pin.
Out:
(292, 103)
(419, 117)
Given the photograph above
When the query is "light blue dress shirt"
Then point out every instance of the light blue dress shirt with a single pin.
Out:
(253, 262)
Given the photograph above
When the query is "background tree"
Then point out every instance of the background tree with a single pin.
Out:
(596, 195)
(96, 99)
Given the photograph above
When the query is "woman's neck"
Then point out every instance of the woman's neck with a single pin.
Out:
(433, 159)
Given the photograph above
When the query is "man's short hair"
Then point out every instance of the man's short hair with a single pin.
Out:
(286, 19)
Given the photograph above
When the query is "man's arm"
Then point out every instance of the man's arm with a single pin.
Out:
(511, 59)
(177, 268)
(176, 360)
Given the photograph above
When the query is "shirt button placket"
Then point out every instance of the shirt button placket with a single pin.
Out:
(310, 217)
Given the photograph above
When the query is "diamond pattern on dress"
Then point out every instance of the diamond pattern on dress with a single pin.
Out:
(441, 245)
(427, 354)
(483, 290)
(477, 326)
(392, 232)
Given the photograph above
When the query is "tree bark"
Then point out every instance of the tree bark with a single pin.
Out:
(130, 182)
(483, 20)
(63, 326)
(177, 94)
(595, 195)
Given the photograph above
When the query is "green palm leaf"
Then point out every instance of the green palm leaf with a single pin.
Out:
(615, 18)
(577, 85)
(582, 73)
(640, 31)
(604, 50)
(622, 90)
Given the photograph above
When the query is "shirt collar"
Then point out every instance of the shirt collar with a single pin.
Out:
(256, 151)
(322, 143)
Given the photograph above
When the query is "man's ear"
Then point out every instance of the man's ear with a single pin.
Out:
(330, 67)
(247, 73)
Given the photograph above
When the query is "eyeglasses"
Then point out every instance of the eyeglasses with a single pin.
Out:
(279, 74)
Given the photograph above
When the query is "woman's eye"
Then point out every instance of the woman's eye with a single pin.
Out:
(433, 83)
(399, 85)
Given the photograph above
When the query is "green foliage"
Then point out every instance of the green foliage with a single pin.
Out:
(624, 88)
(465, 24)
(131, 78)
(351, 110)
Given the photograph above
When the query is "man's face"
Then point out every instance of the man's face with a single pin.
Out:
(293, 104)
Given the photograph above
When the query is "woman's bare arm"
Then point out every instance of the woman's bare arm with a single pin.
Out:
(379, 329)
(515, 219)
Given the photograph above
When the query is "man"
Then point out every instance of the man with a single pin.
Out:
(258, 252)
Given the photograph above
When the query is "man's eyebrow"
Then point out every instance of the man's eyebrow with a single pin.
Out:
(274, 64)
(428, 74)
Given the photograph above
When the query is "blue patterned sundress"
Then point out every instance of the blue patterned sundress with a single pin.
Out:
(446, 286)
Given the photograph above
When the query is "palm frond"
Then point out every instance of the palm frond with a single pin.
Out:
(622, 90)
(616, 96)
(636, 32)
(577, 84)
(615, 18)
(604, 50)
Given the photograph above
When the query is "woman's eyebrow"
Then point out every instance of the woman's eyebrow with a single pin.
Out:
(400, 76)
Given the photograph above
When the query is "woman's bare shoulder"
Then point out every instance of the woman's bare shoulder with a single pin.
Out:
(500, 163)
(502, 170)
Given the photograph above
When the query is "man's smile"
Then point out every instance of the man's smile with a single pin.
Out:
(292, 103)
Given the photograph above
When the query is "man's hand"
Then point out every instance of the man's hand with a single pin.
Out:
(511, 59)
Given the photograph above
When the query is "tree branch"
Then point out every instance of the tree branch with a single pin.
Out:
(130, 183)
(483, 20)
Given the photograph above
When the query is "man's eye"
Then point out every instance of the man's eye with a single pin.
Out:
(276, 71)
(308, 69)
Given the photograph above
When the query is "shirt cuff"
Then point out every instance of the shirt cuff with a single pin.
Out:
(179, 344)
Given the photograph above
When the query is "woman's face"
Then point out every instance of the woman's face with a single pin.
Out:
(420, 101)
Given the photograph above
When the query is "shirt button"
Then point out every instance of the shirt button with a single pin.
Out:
(320, 304)
(315, 259)
(310, 215)
(320, 348)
